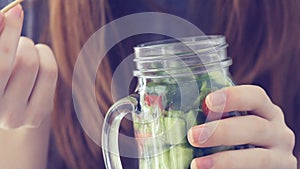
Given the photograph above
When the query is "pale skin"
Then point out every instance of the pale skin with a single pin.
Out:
(28, 75)
(265, 128)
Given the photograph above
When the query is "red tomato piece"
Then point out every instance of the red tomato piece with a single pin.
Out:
(154, 100)
(204, 107)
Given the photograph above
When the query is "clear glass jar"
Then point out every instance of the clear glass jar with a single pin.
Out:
(174, 76)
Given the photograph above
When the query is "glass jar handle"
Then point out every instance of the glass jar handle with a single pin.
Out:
(110, 131)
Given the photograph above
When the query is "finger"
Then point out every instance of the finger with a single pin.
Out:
(41, 100)
(24, 74)
(20, 85)
(246, 159)
(8, 43)
(239, 130)
(243, 98)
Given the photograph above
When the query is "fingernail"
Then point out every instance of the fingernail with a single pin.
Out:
(199, 135)
(2, 19)
(216, 100)
(203, 135)
(202, 163)
(17, 11)
(191, 136)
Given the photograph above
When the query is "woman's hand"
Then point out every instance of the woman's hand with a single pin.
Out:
(28, 76)
(264, 128)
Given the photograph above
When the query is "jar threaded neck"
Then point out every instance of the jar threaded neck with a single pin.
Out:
(180, 57)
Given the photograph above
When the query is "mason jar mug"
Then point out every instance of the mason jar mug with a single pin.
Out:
(174, 76)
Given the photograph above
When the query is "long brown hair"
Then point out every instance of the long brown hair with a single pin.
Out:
(262, 37)
(71, 24)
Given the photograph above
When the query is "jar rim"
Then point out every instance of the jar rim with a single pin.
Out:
(195, 44)
(191, 39)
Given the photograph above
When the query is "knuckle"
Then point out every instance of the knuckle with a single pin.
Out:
(261, 126)
(290, 161)
(290, 135)
(261, 93)
(279, 112)
(44, 47)
(50, 69)
(286, 136)
(277, 108)
(293, 163)
(26, 42)
(259, 90)
(289, 138)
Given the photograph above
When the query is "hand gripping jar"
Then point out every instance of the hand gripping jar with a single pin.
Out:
(174, 76)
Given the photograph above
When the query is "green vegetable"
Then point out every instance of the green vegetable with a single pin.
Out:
(180, 157)
(175, 130)
(171, 106)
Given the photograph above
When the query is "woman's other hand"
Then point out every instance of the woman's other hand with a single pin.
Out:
(28, 74)
(265, 128)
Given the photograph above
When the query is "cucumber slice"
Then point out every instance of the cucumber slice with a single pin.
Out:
(160, 161)
(175, 130)
(191, 119)
(180, 157)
